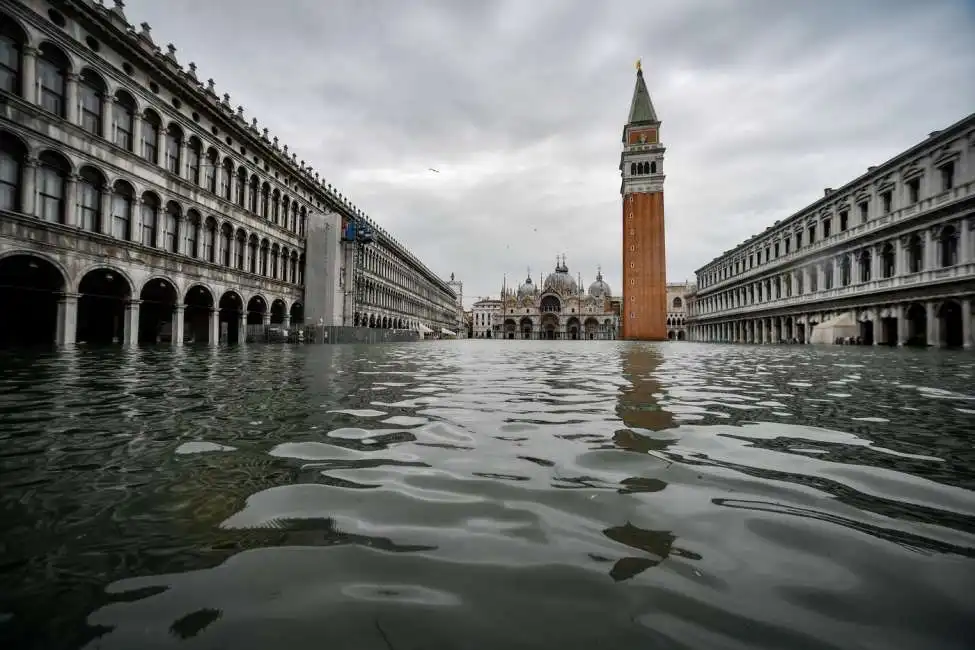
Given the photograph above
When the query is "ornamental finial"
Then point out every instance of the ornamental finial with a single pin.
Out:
(639, 65)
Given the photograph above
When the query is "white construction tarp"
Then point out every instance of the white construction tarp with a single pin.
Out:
(447, 332)
(840, 327)
(423, 329)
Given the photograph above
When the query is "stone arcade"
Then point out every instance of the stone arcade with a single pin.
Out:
(136, 205)
(891, 254)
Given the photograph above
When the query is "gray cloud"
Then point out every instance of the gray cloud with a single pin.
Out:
(520, 105)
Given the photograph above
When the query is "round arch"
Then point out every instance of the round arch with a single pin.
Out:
(159, 296)
(257, 307)
(30, 288)
(76, 286)
(199, 302)
(231, 312)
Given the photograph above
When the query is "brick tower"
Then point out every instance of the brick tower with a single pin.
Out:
(644, 309)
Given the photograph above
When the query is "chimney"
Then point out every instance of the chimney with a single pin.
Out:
(827, 191)
(871, 168)
(933, 133)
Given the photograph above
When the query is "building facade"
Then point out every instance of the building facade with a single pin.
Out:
(889, 258)
(644, 250)
(483, 316)
(138, 205)
(677, 297)
(460, 325)
(556, 309)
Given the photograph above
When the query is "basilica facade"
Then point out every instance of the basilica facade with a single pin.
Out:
(557, 308)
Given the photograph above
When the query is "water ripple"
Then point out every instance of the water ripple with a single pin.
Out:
(478, 494)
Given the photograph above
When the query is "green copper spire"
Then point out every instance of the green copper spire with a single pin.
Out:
(641, 108)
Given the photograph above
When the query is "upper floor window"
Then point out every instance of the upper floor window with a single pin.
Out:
(844, 220)
(914, 190)
(947, 175)
(886, 201)
(52, 70)
(51, 176)
(124, 109)
(150, 136)
(827, 223)
(11, 39)
(174, 145)
(91, 90)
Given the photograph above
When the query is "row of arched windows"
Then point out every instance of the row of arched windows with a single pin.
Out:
(117, 119)
(641, 168)
(845, 270)
(88, 202)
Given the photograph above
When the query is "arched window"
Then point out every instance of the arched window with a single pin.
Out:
(226, 178)
(12, 40)
(294, 267)
(150, 136)
(865, 260)
(253, 252)
(633, 171)
(266, 201)
(845, 270)
(252, 197)
(12, 157)
(653, 167)
(210, 240)
(949, 246)
(150, 217)
(294, 217)
(52, 69)
(241, 186)
(301, 269)
(301, 222)
(828, 275)
(226, 238)
(91, 91)
(193, 154)
(124, 108)
(122, 199)
(192, 228)
(171, 227)
(210, 170)
(887, 255)
(274, 261)
(275, 206)
(90, 186)
(174, 145)
(51, 176)
(265, 251)
(678, 303)
(239, 249)
(915, 254)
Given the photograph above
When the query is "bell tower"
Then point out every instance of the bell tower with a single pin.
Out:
(644, 310)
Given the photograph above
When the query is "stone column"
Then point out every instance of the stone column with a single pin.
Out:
(931, 321)
(821, 276)
(178, 324)
(903, 329)
(214, 326)
(107, 102)
(161, 145)
(242, 327)
(71, 200)
(876, 262)
(184, 160)
(105, 227)
(67, 326)
(965, 242)
(929, 252)
(135, 220)
(286, 321)
(71, 97)
(28, 80)
(837, 270)
(132, 322)
(137, 134)
(878, 327)
(233, 188)
(966, 323)
(29, 194)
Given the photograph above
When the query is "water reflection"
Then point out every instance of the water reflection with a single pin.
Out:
(479, 494)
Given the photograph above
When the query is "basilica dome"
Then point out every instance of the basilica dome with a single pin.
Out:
(560, 281)
(599, 289)
(527, 288)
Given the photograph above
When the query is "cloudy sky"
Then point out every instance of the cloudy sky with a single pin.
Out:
(520, 104)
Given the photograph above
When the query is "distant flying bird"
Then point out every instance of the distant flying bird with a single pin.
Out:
(433, 170)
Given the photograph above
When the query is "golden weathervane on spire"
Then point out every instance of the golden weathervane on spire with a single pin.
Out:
(639, 65)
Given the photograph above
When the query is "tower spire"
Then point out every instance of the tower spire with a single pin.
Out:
(641, 108)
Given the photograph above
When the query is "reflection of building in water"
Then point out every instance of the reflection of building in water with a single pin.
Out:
(637, 404)
(889, 259)
(556, 308)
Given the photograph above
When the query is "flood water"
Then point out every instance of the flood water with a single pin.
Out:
(488, 494)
